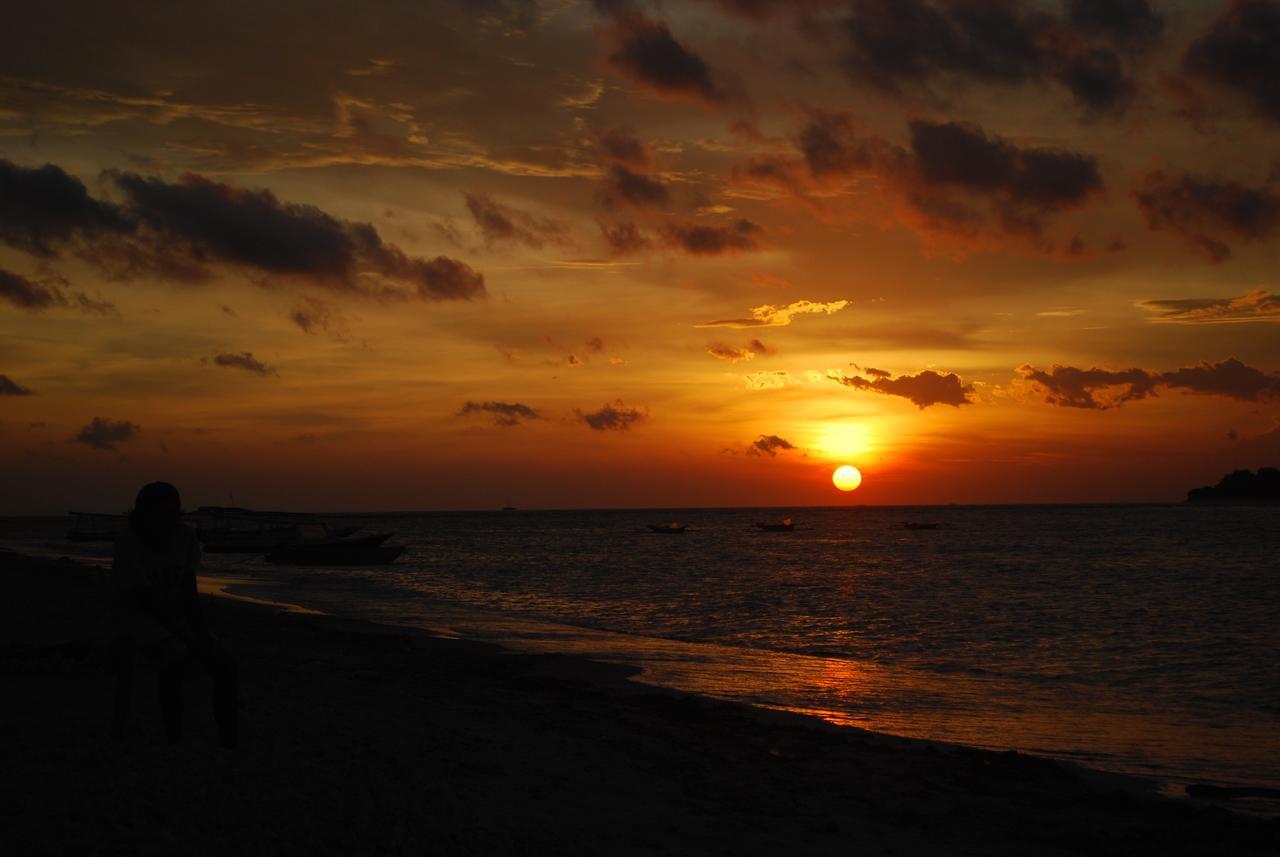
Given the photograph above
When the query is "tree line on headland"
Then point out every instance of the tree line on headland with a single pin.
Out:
(1241, 486)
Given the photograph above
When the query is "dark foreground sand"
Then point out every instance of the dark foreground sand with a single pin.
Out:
(366, 740)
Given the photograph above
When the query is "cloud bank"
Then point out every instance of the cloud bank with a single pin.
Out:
(924, 389)
(1101, 389)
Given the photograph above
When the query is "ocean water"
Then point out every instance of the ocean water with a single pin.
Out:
(1138, 639)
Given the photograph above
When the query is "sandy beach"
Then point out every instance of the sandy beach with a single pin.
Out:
(362, 739)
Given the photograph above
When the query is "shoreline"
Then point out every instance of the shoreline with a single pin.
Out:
(363, 738)
(723, 673)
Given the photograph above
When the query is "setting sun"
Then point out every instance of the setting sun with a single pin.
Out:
(846, 478)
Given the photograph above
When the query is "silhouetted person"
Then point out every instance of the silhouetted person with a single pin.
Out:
(159, 618)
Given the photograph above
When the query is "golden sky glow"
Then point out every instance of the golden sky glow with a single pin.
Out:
(563, 254)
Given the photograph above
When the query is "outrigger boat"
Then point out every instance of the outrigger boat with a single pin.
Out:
(223, 529)
(671, 529)
(786, 526)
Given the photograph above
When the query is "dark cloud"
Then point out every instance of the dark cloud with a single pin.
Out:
(1254, 305)
(1099, 80)
(498, 222)
(1100, 389)
(125, 258)
(10, 387)
(923, 389)
(892, 44)
(767, 10)
(1041, 180)
(831, 145)
(649, 54)
(724, 351)
(102, 433)
(515, 15)
(699, 240)
(35, 296)
(42, 208)
(613, 8)
(1122, 20)
(245, 361)
(621, 146)
(28, 294)
(613, 417)
(770, 445)
(624, 186)
(254, 229)
(174, 230)
(776, 170)
(1229, 378)
(595, 345)
(506, 414)
(1241, 52)
(957, 177)
(439, 279)
(312, 315)
(1206, 211)
(623, 238)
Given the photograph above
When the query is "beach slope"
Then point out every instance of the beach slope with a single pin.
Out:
(361, 739)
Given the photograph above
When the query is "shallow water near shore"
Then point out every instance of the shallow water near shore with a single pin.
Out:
(1138, 639)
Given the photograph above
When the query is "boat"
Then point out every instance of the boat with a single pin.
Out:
(96, 526)
(224, 529)
(786, 526)
(914, 525)
(340, 552)
(670, 529)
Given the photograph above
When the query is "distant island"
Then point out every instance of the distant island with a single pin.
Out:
(1241, 486)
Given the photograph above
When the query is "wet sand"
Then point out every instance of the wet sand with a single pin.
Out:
(362, 739)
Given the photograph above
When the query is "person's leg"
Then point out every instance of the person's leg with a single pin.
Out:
(121, 657)
(170, 678)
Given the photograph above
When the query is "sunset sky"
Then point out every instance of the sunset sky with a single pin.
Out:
(551, 253)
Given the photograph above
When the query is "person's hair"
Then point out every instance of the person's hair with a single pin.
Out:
(156, 515)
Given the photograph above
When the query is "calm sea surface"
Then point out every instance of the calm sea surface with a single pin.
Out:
(1141, 639)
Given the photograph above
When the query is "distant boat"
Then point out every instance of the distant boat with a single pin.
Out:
(95, 526)
(786, 526)
(670, 529)
(342, 552)
(508, 508)
(913, 525)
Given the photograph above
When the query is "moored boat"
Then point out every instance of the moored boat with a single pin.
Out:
(224, 529)
(786, 526)
(671, 529)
